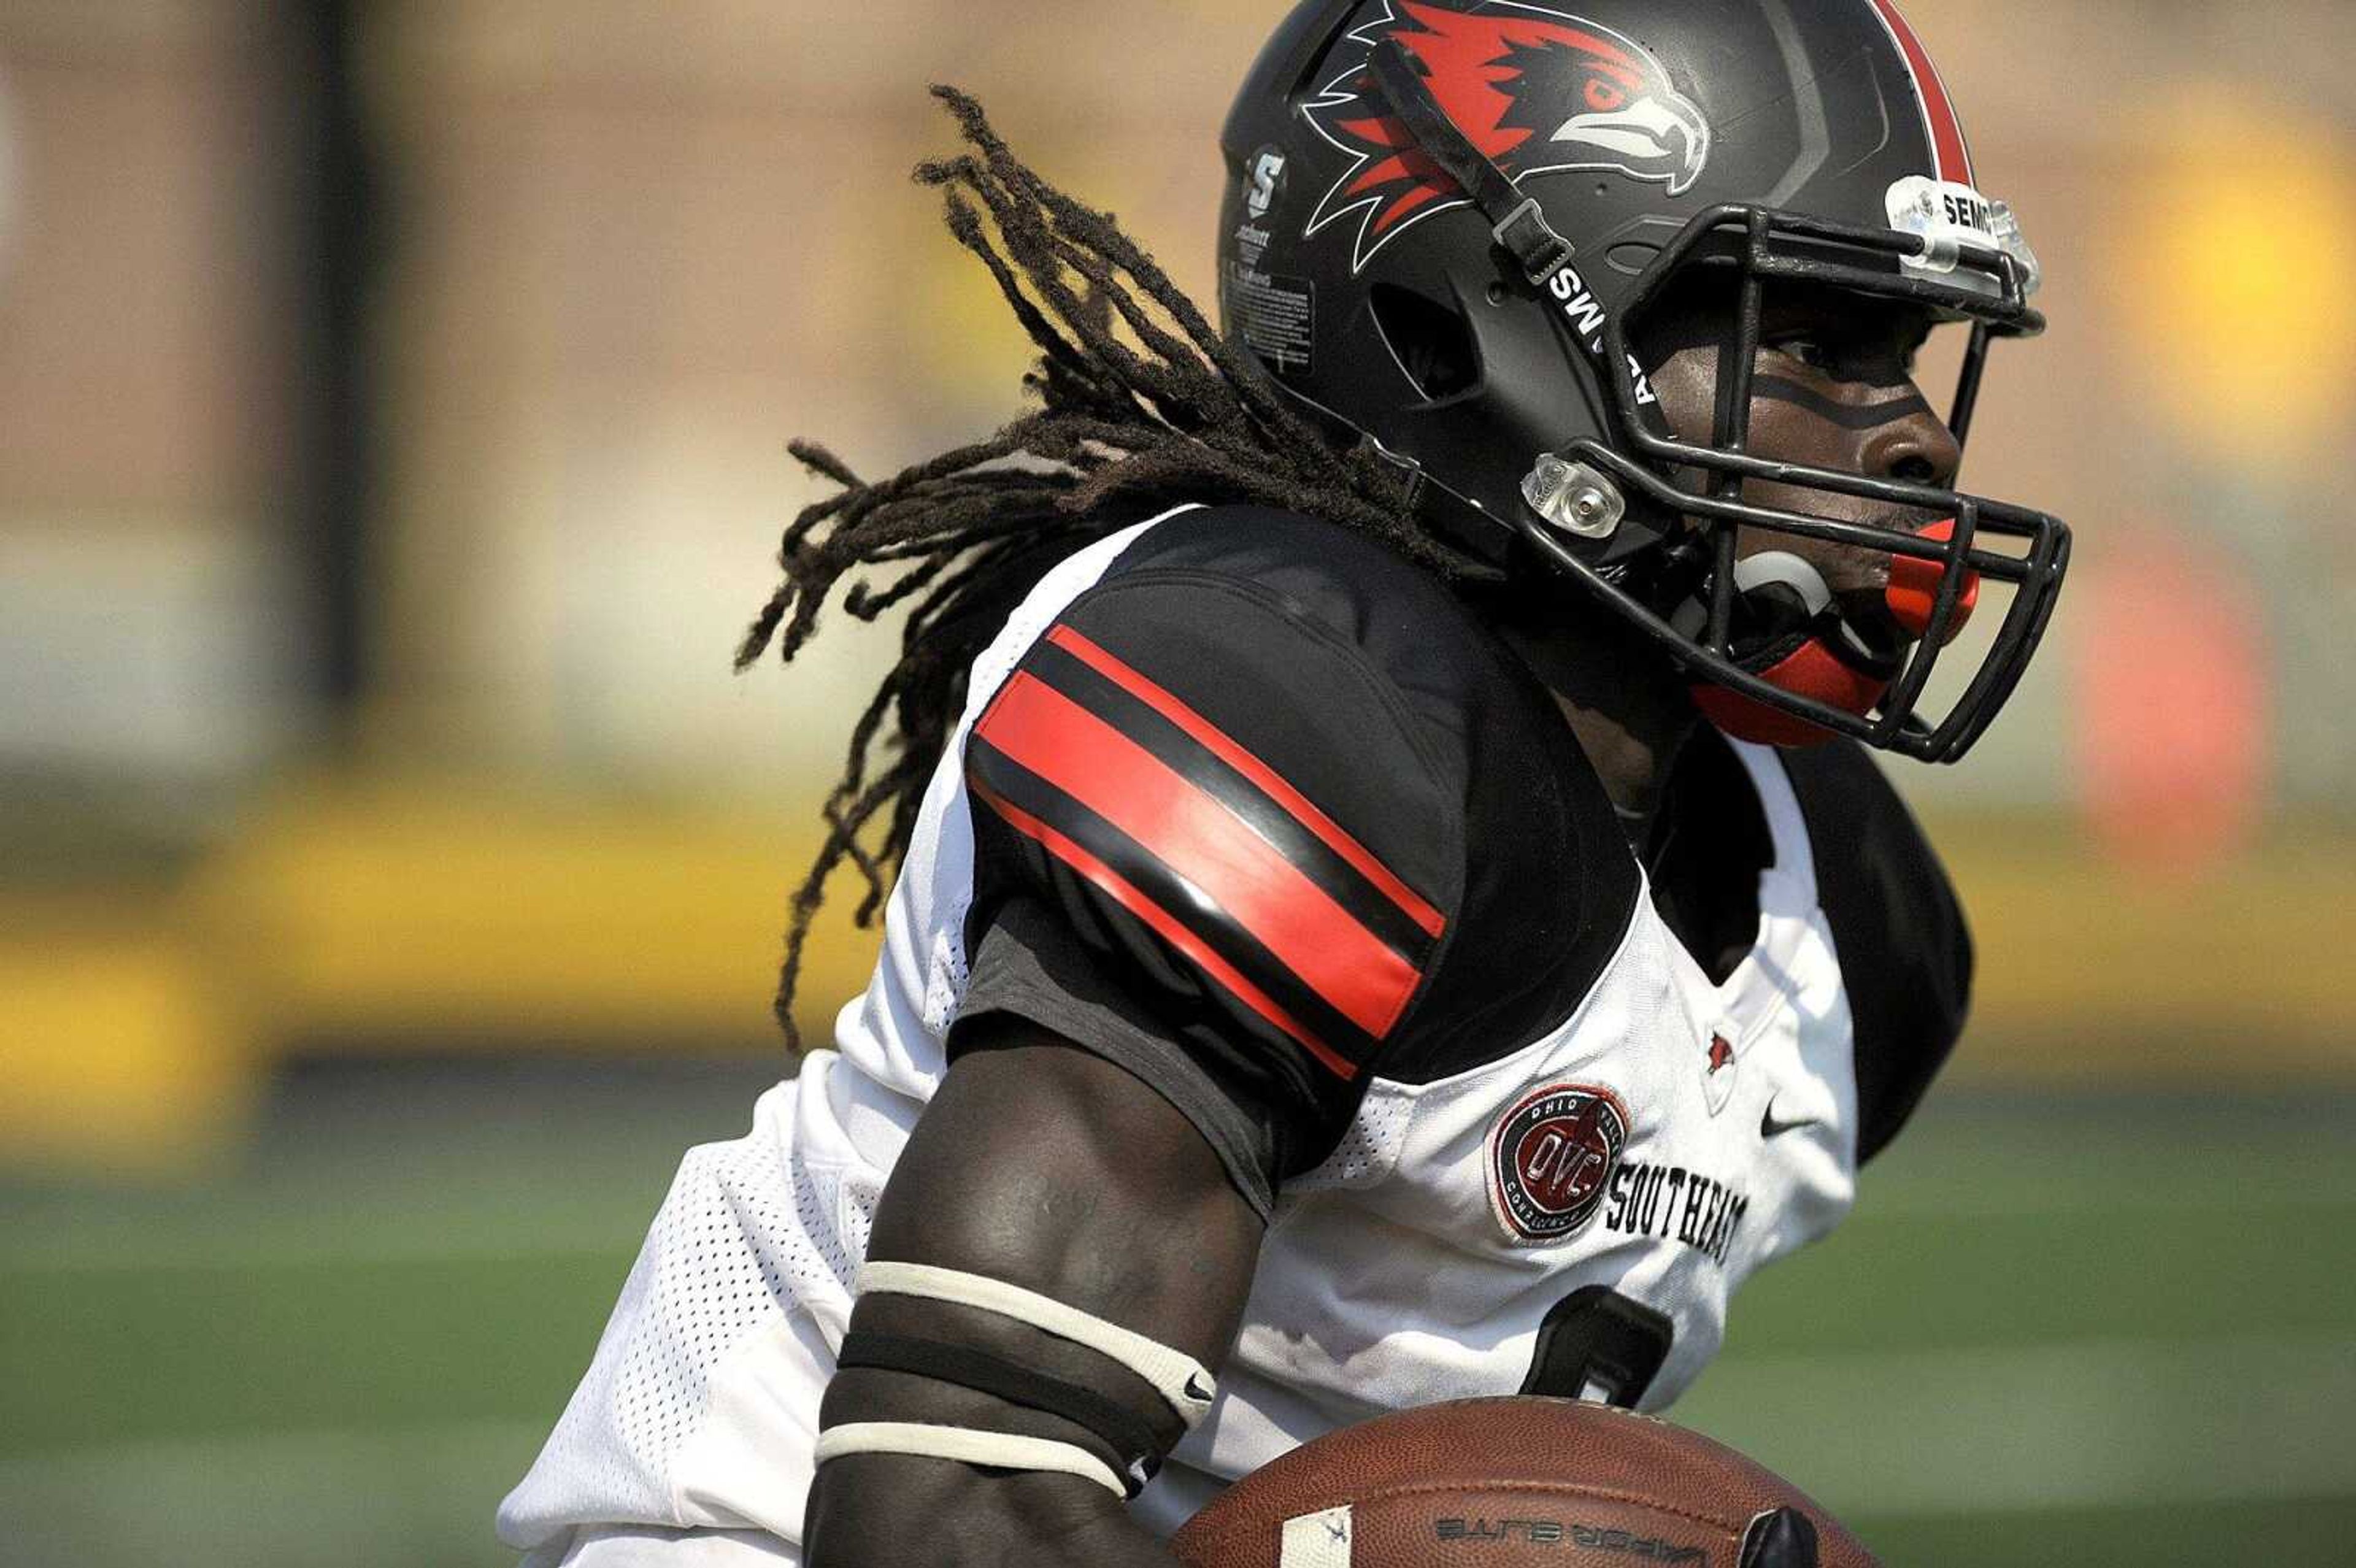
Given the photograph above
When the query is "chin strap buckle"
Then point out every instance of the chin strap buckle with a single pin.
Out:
(1531, 241)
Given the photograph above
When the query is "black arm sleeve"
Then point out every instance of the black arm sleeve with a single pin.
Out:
(1905, 951)
(1212, 846)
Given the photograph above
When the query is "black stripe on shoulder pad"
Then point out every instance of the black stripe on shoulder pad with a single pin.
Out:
(1544, 885)
(1173, 942)
(1228, 850)
(1179, 737)
(1238, 783)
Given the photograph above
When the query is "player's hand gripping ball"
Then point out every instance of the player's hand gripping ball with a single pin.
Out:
(1514, 1483)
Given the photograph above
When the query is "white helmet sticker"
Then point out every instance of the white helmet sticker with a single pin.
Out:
(1950, 217)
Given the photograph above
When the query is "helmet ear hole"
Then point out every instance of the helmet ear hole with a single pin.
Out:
(1429, 340)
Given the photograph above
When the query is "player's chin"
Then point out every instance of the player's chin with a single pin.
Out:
(1839, 664)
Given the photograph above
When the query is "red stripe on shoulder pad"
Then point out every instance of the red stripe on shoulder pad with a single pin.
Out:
(1124, 893)
(1173, 824)
(1219, 744)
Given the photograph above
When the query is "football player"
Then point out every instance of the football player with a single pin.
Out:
(1386, 894)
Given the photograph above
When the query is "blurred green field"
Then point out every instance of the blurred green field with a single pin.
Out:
(2085, 1330)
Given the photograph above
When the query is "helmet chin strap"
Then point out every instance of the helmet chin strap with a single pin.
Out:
(1786, 609)
(1516, 221)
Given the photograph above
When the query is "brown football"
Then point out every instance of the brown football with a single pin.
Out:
(1511, 1483)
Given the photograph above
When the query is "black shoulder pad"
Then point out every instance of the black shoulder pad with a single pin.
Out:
(1549, 885)
(1905, 951)
(1234, 816)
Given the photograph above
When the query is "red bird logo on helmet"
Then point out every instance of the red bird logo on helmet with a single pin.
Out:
(1537, 91)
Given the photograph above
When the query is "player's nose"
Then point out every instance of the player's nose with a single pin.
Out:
(1915, 445)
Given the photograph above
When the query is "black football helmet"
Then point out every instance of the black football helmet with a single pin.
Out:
(1447, 221)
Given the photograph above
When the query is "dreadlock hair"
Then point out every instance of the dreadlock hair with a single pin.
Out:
(1141, 406)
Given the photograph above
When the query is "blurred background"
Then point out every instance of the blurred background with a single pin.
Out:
(392, 410)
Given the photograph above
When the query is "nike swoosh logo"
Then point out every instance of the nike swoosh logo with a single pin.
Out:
(1194, 1389)
(1769, 1127)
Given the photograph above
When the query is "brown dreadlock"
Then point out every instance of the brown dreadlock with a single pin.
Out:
(1122, 431)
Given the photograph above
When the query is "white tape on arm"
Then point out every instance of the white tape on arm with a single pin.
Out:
(1183, 1381)
(998, 1450)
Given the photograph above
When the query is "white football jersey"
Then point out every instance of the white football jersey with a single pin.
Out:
(1562, 1199)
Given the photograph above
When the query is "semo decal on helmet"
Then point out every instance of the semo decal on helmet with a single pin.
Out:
(1539, 91)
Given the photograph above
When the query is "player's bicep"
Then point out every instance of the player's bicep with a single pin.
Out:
(1079, 1182)
(1053, 1171)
